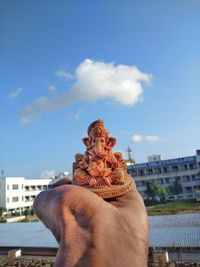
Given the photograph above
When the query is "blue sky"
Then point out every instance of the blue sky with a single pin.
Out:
(64, 64)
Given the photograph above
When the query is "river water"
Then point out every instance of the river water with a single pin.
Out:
(165, 231)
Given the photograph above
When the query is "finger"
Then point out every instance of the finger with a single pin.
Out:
(57, 206)
(48, 209)
(50, 202)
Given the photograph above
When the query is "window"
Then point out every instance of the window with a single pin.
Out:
(177, 178)
(175, 168)
(157, 170)
(167, 180)
(141, 172)
(15, 186)
(185, 178)
(7, 187)
(172, 180)
(193, 177)
(165, 169)
(27, 198)
(7, 199)
(15, 199)
(142, 183)
(149, 171)
(133, 173)
(183, 167)
(192, 166)
(188, 189)
(159, 181)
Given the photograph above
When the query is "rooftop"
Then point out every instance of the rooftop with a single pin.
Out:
(161, 163)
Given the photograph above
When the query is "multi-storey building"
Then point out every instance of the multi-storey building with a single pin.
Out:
(185, 170)
(18, 193)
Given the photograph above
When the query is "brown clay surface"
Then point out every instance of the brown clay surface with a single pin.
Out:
(100, 169)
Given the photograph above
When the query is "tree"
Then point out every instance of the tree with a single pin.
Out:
(26, 212)
(176, 188)
(151, 190)
(32, 212)
(154, 190)
(1, 211)
(162, 192)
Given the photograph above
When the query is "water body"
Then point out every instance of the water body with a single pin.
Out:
(182, 230)
(165, 231)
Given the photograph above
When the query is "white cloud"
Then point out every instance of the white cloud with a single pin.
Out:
(52, 88)
(16, 93)
(137, 138)
(47, 174)
(94, 81)
(25, 120)
(64, 74)
(78, 114)
(152, 138)
(98, 80)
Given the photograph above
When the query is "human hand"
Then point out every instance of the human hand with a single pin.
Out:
(92, 232)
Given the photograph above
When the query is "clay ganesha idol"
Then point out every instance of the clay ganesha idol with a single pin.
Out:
(99, 169)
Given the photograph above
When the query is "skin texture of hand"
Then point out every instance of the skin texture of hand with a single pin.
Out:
(92, 232)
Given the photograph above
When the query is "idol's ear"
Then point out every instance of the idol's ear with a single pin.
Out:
(86, 141)
(111, 142)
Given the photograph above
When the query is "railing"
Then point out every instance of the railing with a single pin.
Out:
(31, 251)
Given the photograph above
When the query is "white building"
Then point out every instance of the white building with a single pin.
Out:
(18, 193)
(154, 158)
(185, 170)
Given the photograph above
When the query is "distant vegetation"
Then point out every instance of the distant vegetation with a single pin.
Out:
(154, 191)
(29, 216)
(157, 203)
(29, 219)
(2, 220)
(174, 207)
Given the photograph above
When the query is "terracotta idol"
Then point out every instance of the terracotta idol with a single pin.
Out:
(99, 169)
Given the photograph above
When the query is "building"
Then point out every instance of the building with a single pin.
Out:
(18, 193)
(185, 170)
(154, 158)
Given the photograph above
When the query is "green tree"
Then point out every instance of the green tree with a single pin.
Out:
(26, 212)
(32, 212)
(176, 188)
(162, 192)
(154, 190)
(151, 190)
(1, 211)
